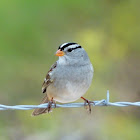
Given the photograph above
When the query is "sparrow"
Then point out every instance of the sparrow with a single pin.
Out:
(68, 78)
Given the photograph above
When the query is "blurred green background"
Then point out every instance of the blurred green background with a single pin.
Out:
(30, 33)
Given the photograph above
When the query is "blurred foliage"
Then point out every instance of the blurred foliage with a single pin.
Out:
(30, 33)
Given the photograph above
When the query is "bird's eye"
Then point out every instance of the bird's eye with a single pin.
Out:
(70, 49)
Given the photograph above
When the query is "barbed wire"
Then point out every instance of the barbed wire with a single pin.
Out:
(70, 105)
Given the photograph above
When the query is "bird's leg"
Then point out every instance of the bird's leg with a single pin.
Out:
(54, 102)
(50, 105)
(89, 104)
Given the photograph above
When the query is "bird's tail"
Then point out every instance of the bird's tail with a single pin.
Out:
(39, 111)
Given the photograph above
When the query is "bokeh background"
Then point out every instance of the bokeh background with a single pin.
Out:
(30, 33)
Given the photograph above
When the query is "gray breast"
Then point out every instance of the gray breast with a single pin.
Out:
(70, 83)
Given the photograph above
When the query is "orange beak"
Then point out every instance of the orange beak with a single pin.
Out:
(59, 53)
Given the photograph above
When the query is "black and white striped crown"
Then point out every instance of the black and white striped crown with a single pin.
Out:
(69, 45)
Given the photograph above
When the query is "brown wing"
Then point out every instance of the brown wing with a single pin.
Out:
(48, 79)
(46, 83)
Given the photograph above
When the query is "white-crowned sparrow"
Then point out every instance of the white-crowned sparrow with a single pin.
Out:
(68, 79)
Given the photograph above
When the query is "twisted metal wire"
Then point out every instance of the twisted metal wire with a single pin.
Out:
(70, 105)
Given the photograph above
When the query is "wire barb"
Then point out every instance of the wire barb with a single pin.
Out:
(70, 105)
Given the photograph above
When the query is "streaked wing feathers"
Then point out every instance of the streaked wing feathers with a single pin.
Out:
(48, 79)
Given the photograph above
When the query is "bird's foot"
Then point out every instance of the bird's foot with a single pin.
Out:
(88, 107)
(49, 109)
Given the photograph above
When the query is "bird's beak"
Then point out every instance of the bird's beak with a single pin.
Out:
(59, 53)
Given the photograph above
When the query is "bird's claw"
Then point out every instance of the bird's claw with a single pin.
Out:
(88, 107)
(49, 108)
